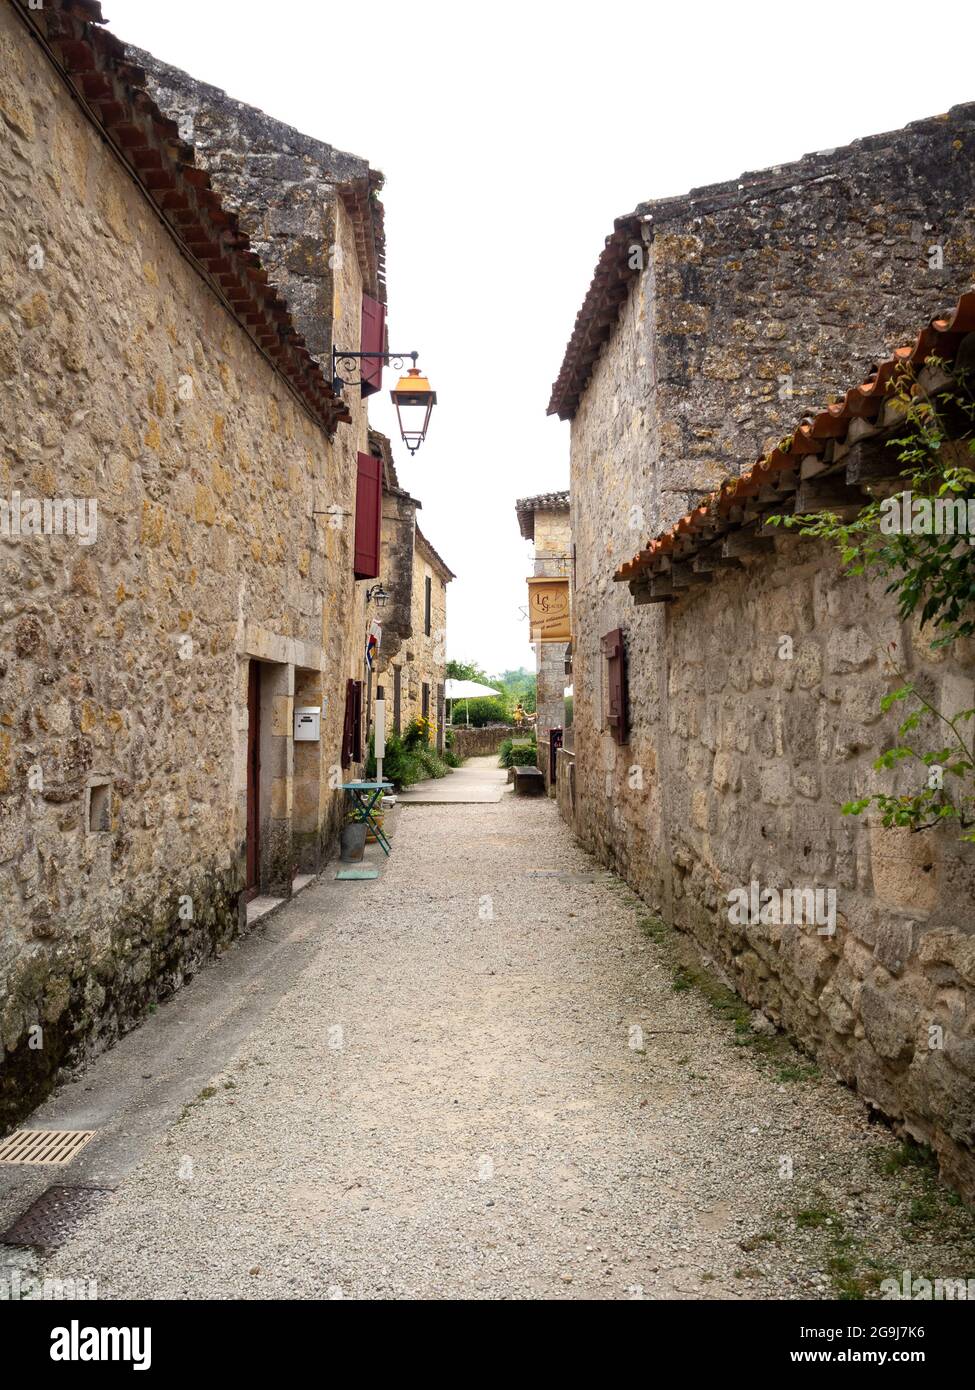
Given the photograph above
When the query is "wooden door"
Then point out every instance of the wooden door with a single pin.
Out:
(253, 779)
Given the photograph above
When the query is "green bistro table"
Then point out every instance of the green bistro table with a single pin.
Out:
(364, 798)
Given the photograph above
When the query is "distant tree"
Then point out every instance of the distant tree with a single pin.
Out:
(466, 671)
(518, 685)
(514, 686)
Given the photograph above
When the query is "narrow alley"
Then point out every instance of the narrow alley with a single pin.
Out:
(478, 1076)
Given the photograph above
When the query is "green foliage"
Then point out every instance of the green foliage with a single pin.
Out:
(518, 686)
(932, 576)
(450, 755)
(404, 765)
(518, 752)
(485, 710)
(930, 573)
(431, 762)
(416, 735)
(515, 686)
(937, 801)
(466, 671)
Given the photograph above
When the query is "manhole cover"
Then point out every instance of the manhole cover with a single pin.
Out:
(53, 1218)
(37, 1146)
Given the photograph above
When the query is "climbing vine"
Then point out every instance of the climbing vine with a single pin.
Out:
(923, 541)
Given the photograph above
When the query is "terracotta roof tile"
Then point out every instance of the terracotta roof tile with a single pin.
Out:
(526, 507)
(111, 90)
(814, 435)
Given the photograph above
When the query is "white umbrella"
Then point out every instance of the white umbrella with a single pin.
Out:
(467, 690)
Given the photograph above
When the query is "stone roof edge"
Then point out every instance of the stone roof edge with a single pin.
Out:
(526, 507)
(359, 195)
(110, 91)
(433, 556)
(611, 279)
(845, 446)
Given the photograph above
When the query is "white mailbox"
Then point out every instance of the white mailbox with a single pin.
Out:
(308, 723)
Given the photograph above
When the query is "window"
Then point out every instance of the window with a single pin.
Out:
(100, 808)
(427, 604)
(372, 338)
(425, 701)
(352, 728)
(615, 705)
(368, 517)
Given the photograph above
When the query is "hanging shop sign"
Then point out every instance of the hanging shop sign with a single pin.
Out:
(548, 610)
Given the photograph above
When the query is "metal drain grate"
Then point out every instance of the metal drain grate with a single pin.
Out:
(53, 1218)
(41, 1146)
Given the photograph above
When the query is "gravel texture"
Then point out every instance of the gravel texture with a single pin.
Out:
(449, 1104)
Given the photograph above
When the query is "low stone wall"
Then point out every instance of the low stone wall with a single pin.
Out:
(470, 742)
(565, 785)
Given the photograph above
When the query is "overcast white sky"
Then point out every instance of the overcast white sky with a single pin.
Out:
(511, 135)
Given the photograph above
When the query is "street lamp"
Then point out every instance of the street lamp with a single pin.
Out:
(413, 392)
(414, 395)
(379, 594)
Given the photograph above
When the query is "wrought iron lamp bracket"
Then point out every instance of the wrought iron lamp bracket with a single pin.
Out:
(348, 362)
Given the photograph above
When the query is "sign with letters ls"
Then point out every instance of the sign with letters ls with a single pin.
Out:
(548, 610)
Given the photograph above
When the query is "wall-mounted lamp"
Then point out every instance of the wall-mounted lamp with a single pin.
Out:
(415, 396)
(413, 392)
(378, 594)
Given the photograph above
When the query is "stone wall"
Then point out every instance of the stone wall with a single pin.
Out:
(124, 663)
(565, 785)
(423, 657)
(284, 186)
(397, 573)
(758, 299)
(552, 558)
(471, 742)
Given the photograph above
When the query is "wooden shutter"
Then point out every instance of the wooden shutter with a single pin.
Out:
(368, 517)
(372, 339)
(617, 714)
(348, 725)
(357, 722)
(427, 604)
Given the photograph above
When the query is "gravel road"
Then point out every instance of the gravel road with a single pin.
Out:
(452, 1103)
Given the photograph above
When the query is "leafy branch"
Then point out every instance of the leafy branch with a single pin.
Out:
(931, 574)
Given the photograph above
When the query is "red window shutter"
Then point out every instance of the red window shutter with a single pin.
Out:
(617, 716)
(368, 517)
(372, 338)
(348, 723)
(357, 722)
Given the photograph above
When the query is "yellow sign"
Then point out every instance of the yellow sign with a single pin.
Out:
(548, 610)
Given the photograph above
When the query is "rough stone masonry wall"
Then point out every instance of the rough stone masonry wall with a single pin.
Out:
(553, 555)
(423, 655)
(205, 535)
(740, 301)
(471, 742)
(760, 754)
(282, 185)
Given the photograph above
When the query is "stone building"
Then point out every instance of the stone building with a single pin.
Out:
(703, 762)
(417, 679)
(544, 520)
(411, 663)
(190, 519)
